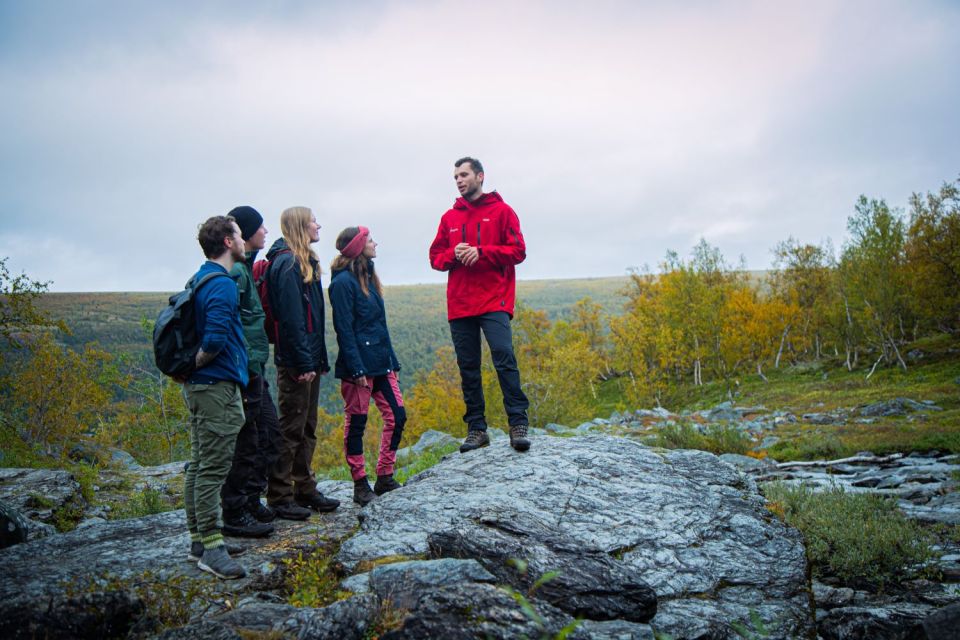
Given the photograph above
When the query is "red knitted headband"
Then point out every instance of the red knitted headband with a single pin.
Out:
(355, 247)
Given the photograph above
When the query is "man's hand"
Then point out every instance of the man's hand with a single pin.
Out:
(306, 377)
(203, 358)
(362, 381)
(466, 254)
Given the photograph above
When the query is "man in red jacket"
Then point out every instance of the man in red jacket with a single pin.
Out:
(478, 244)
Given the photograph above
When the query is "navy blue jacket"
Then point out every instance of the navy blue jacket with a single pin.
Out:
(298, 309)
(217, 310)
(361, 324)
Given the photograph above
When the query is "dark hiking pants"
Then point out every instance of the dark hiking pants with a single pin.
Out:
(495, 327)
(247, 477)
(268, 445)
(292, 474)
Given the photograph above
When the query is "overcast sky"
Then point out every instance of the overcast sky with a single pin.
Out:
(616, 130)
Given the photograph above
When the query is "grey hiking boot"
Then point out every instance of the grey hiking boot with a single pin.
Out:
(219, 563)
(385, 483)
(518, 437)
(362, 494)
(474, 440)
(196, 551)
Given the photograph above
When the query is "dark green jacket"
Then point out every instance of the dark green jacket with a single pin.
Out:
(251, 315)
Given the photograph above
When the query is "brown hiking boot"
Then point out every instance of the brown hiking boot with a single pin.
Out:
(362, 494)
(518, 437)
(384, 484)
(474, 440)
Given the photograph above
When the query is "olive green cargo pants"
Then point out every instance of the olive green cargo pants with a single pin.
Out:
(216, 416)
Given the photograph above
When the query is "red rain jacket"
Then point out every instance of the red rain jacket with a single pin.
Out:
(489, 224)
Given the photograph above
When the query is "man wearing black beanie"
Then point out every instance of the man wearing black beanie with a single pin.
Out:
(243, 513)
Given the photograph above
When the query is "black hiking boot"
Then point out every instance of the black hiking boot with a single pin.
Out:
(244, 525)
(474, 440)
(220, 564)
(318, 502)
(518, 437)
(261, 512)
(362, 494)
(290, 511)
(384, 484)
(196, 551)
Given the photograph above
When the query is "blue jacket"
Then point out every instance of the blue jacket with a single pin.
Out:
(217, 309)
(361, 324)
(298, 309)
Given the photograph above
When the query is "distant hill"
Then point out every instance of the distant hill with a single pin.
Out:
(416, 314)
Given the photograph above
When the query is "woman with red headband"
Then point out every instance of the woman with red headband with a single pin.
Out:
(366, 364)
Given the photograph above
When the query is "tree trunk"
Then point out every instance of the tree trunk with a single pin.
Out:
(760, 372)
(783, 339)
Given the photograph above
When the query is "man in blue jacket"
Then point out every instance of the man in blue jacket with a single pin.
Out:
(212, 394)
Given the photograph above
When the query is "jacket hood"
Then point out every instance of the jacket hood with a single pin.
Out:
(278, 245)
(485, 200)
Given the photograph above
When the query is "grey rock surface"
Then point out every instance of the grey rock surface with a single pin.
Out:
(691, 527)
(519, 550)
(890, 622)
(92, 615)
(38, 493)
(480, 611)
(345, 620)
(402, 583)
(156, 545)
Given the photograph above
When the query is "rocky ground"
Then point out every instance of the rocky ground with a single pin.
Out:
(630, 540)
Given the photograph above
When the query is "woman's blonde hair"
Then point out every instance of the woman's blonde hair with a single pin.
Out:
(361, 266)
(293, 227)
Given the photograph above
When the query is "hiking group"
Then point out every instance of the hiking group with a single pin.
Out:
(241, 446)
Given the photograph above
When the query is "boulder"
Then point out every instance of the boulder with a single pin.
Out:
(402, 583)
(480, 611)
(521, 551)
(14, 526)
(692, 528)
(885, 622)
(39, 493)
(896, 407)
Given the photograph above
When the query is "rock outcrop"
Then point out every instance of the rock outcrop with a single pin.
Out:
(489, 544)
(606, 512)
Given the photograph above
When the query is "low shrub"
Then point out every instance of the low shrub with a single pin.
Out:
(861, 538)
(715, 438)
(311, 579)
(142, 503)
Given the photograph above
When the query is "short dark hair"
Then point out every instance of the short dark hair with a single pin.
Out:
(212, 233)
(474, 164)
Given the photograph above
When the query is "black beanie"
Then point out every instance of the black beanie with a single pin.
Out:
(248, 219)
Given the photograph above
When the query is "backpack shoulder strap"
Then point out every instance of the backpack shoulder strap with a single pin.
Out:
(205, 279)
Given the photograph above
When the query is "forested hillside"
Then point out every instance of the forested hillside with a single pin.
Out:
(878, 314)
(417, 315)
